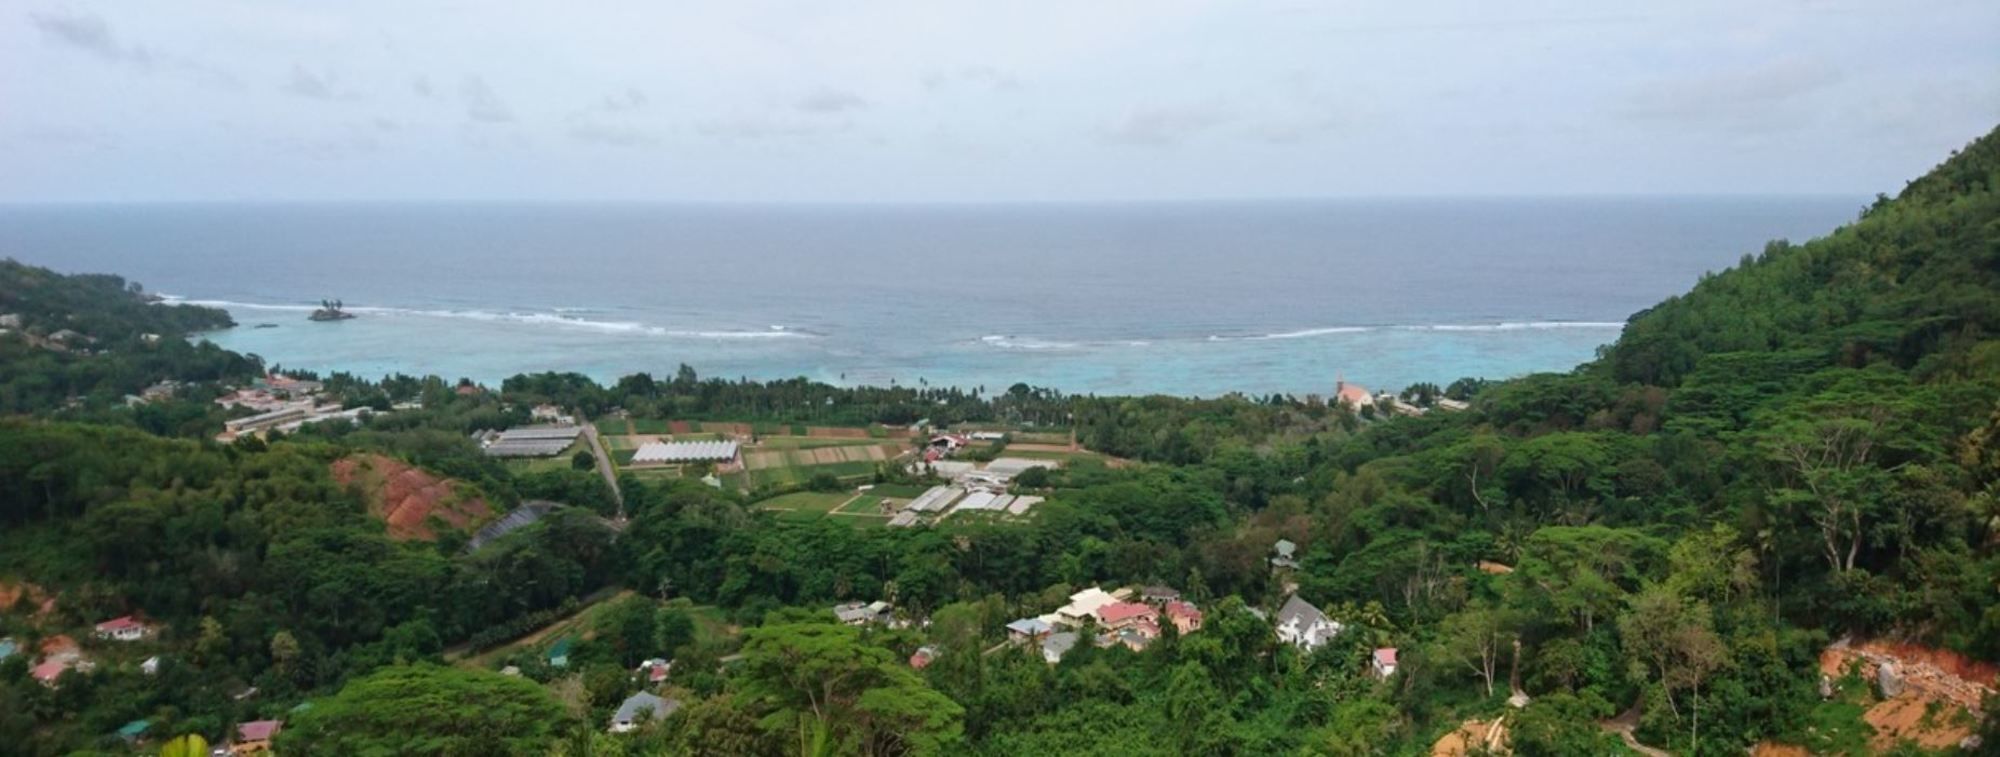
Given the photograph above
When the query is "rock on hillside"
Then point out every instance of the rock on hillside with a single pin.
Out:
(414, 503)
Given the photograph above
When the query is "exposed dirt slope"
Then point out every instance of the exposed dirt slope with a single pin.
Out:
(412, 501)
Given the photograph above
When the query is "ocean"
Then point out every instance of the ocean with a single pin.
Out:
(1176, 298)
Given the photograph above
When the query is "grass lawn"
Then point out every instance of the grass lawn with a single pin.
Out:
(610, 426)
(649, 426)
(870, 503)
(818, 502)
(620, 441)
(650, 473)
(898, 491)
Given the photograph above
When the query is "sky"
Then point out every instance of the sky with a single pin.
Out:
(944, 101)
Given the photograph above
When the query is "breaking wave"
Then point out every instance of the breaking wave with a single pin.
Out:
(557, 319)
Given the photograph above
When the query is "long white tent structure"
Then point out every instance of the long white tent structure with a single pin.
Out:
(684, 452)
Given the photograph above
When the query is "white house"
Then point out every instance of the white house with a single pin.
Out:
(1302, 625)
(1384, 663)
(1084, 605)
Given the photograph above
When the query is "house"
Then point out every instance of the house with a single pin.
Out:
(1184, 615)
(1158, 595)
(1354, 396)
(856, 613)
(1302, 625)
(255, 736)
(1135, 639)
(1057, 645)
(1384, 663)
(559, 654)
(923, 656)
(655, 670)
(546, 413)
(1118, 616)
(124, 628)
(1084, 605)
(1028, 629)
(1284, 554)
(8, 647)
(641, 708)
(1447, 403)
(151, 666)
(47, 672)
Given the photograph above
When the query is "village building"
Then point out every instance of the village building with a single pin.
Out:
(1184, 615)
(124, 628)
(48, 672)
(8, 647)
(1083, 606)
(1158, 595)
(856, 613)
(255, 736)
(1302, 625)
(547, 413)
(1119, 616)
(923, 656)
(151, 666)
(1383, 664)
(1284, 554)
(1354, 396)
(1028, 629)
(1057, 645)
(643, 707)
(654, 671)
(1135, 639)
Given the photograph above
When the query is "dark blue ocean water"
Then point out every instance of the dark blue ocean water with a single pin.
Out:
(1176, 298)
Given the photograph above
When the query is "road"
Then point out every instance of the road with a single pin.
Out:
(603, 465)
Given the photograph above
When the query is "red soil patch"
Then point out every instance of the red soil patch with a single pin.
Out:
(1926, 672)
(60, 645)
(1474, 737)
(1903, 718)
(407, 498)
(679, 427)
(21, 596)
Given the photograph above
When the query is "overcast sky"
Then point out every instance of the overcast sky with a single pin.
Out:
(994, 101)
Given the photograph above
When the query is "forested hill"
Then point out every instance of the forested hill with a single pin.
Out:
(1912, 282)
(96, 337)
(1803, 448)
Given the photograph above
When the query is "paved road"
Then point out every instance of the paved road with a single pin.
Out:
(603, 465)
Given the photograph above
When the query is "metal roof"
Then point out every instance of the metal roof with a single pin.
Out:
(679, 452)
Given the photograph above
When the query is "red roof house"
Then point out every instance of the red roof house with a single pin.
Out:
(1185, 616)
(1119, 615)
(123, 629)
(48, 672)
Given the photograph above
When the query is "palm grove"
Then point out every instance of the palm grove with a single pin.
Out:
(1803, 447)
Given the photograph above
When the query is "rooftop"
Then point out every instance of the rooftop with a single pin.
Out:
(680, 452)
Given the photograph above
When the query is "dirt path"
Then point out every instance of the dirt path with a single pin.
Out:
(1623, 725)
